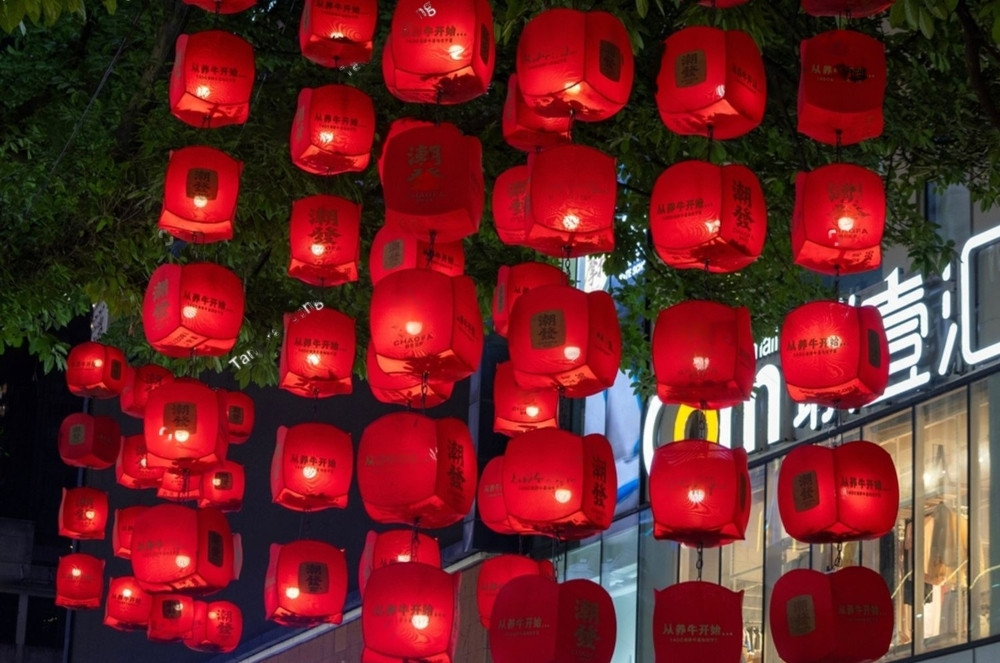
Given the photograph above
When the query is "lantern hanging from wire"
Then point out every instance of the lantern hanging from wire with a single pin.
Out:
(333, 130)
(238, 414)
(200, 192)
(510, 205)
(140, 381)
(514, 281)
(95, 370)
(79, 581)
(212, 79)
(324, 234)
(171, 617)
(218, 627)
(525, 129)
(317, 353)
(222, 6)
(335, 34)
(394, 250)
(83, 513)
(490, 500)
(497, 571)
(122, 529)
(848, 8)
(312, 467)
(306, 584)
(397, 546)
(698, 621)
(517, 410)
(405, 388)
(127, 606)
(132, 468)
(223, 487)
(89, 441)
(183, 427)
(180, 485)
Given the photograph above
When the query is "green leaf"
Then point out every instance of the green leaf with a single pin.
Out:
(926, 23)
(111, 6)
(996, 28)
(642, 8)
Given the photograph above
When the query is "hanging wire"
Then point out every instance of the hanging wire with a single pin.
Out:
(429, 253)
(424, 385)
(838, 560)
(700, 563)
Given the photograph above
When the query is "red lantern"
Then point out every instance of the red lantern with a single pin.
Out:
(398, 546)
(199, 195)
(704, 216)
(512, 282)
(217, 627)
(132, 468)
(94, 370)
(325, 240)
(561, 337)
(842, 87)
(834, 354)
(139, 382)
(183, 427)
(238, 415)
(848, 8)
(88, 441)
(338, 35)
(222, 6)
(715, 614)
(223, 487)
(703, 354)
(846, 493)
(121, 532)
(317, 353)
(843, 616)
(490, 501)
(426, 630)
(839, 218)
(213, 77)
(711, 83)
(333, 130)
(128, 606)
(405, 388)
(171, 618)
(700, 493)
(560, 484)
(525, 129)
(439, 54)
(510, 205)
(194, 309)
(393, 250)
(517, 410)
(83, 513)
(79, 581)
(575, 64)
(496, 572)
(306, 584)
(312, 467)
(414, 469)
(180, 485)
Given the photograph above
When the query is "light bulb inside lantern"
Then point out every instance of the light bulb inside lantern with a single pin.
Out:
(571, 222)
(189, 312)
(292, 592)
(720, 91)
(403, 558)
(182, 435)
(127, 593)
(89, 514)
(713, 226)
(200, 201)
(456, 51)
(309, 472)
(217, 481)
(317, 249)
(182, 561)
(420, 622)
(571, 352)
(326, 137)
(75, 572)
(336, 35)
(98, 363)
(203, 92)
(531, 411)
(414, 327)
(573, 88)
(700, 363)
(312, 359)
(142, 462)
(845, 224)
(563, 495)
(696, 495)
(213, 615)
(833, 341)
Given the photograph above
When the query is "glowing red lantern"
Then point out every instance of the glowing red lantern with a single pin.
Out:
(333, 130)
(312, 467)
(122, 529)
(834, 354)
(575, 64)
(561, 337)
(180, 485)
(713, 612)
(306, 584)
(711, 83)
(510, 205)
(199, 195)
(94, 370)
(496, 572)
(839, 219)
(183, 426)
(703, 354)
(140, 381)
(843, 616)
(517, 410)
(132, 468)
(512, 282)
(222, 6)
(842, 87)
(218, 627)
(439, 54)
(490, 501)
(83, 513)
(128, 606)
(700, 493)
(79, 581)
(704, 216)
(317, 353)
(525, 129)
(398, 546)
(193, 309)
(325, 235)
(338, 34)
(88, 441)
(213, 76)
(405, 388)
(223, 487)
(414, 469)
(171, 618)
(848, 8)
(238, 415)
(393, 250)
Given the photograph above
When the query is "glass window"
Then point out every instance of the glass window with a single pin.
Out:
(657, 569)
(619, 574)
(743, 571)
(984, 559)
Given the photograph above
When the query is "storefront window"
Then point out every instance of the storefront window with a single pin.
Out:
(619, 573)
(984, 559)
(657, 569)
(743, 571)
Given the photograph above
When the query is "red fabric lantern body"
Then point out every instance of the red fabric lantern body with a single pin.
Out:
(700, 493)
(404, 388)
(490, 501)
(83, 513)
(183, 427)
(317, 353)
(842, 87)
(560, 484)
(124, 526)
(217, 627)
(711, 82)
(834, 354)
(238, 415)
(200, 193)
(325, 235)
(512, 282)
(704, 216)
(439, 54)
(575, 63)
(397, 546)
(306, 584)
(839, 219)
(193, 309)
(79, 581)
(526, 130)
(510, 205)
(846, 493)
(703, 354)
(140, 381)
(213, 76)
(496, 572)
(715, 614)
(312, 467)
(338, 34)
(850, 8)
(222, 6)
(561, 337)
(180, 485)
(132, 468)
(128, 606)
(223, 487)
(94, 370)
(517, 410)
(89, 441)
(333, 130)
(171, 618)
(394, 250)
(414, 469)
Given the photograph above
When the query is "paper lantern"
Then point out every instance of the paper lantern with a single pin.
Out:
(89, 441)
(564, 338)
(200, 192)
(440, 53)
(139, 382)
(325, 234)
(122, 529)
(180, 485)
(490, 501)
(193, 309)
(525, 129)
(171, 618)
(834, 354)
(410, 611)
(212, 79)
(698, 621)
(700, 493)
(709, 217)
(218, 627)
(333, 130)
(423, 321)
(306, 584)
(83, 513)
(183, 426)
(223, 487)
(842, 87)
(132, 468)
(510, 205)
(222, 6)
(711, 83)
(317, 353)
(405, 388)
(79, 581)
(839, 219)
(337, 34)
(398, 546)
(414, 469)
(512, 282)
(497, 571)
(843, 616)
(560, 484)
(517, 410)
(94, 370)
(703, 354)
(238, 415)
(312, 467)
(128, 606)
(394, 250)
(575, 64)
(848, 8)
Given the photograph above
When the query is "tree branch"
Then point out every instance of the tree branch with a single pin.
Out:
(973, 43)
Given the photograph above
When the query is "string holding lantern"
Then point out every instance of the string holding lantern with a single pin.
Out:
(398, 546)
(127, 607)
(714, 612)
(497, 571)
(212, 79)
(517, 410)
(122, 529)
(325, 237)
(95, 370)
(222, 6)
(217, 627)
(317, 353)
(333, 130)
(139, 382)
(89, 441)
(405, 388)
(525, 129)
(338, 34)
(312, 467)
(83, 513)
(514, 281)
(223, 487)
(848, 8)
(393, 250)
(79, 581)
(200, 192)
(132, 468)
(306, 584)
(183, 427)
(171, 618)
(490, 499)
(238, 414)
(510, 205)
